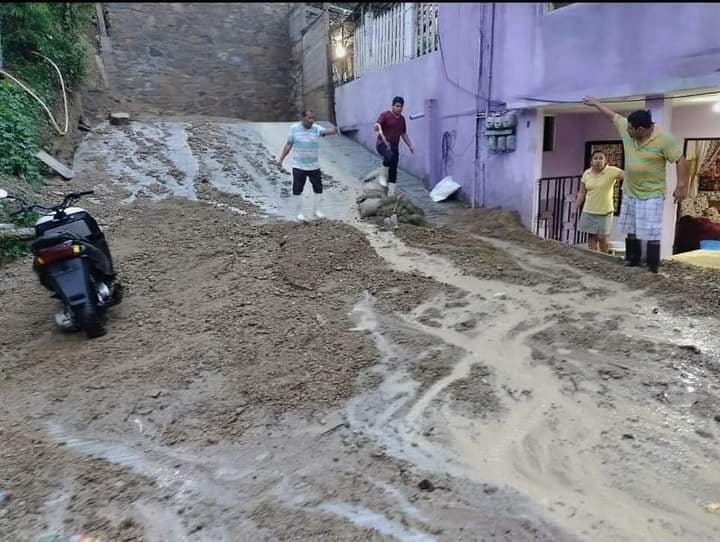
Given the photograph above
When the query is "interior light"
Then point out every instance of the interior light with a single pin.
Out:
(716, 107)
(340, 52)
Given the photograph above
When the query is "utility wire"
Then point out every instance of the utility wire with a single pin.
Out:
(709, 93)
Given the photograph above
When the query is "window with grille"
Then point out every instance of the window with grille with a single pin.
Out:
(427, 29)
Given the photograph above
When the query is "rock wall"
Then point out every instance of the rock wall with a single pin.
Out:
(230, 59)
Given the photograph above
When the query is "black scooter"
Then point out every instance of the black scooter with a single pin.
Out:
(73, 261)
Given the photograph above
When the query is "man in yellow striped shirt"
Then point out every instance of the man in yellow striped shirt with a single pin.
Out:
(647, 149)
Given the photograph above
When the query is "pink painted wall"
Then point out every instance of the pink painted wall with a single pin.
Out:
(572, 131)
(695, 121)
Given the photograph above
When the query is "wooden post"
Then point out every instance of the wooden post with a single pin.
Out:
(20, 234)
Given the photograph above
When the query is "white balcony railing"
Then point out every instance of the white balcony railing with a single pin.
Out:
(404, 31)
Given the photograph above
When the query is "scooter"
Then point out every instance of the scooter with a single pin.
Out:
(73, 261)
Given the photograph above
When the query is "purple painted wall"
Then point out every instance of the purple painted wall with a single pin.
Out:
(359, 103)
(595, 48)
(535, 54)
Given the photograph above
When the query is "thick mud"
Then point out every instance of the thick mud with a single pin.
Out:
(268, 380)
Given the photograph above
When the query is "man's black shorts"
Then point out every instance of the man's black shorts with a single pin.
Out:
(301, 175)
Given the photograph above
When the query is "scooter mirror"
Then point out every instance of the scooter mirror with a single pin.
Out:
(3, 194)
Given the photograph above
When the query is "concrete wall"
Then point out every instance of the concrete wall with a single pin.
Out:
(229, 59)
(301, 15)
(315, 68)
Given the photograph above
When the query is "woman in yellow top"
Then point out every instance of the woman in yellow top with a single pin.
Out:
(596, 192)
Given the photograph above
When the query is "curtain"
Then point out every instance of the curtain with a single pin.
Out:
(696, 154)
(700, 154)
(712, 152)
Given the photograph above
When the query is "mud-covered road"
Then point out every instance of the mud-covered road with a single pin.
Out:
(268, 380)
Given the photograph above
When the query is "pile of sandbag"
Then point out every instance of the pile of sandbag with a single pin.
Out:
(393, 210)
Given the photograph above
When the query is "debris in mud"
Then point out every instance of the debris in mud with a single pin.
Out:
(490, 490)
(713, 507)
(691, 348)
(465, 325)
(703, 434)
(628, 436)
(426, 485)
(119, 119)
(5, 496)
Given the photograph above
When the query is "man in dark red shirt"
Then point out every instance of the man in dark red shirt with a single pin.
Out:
(390, 127)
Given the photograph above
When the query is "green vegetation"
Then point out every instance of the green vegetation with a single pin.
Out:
(55, 30)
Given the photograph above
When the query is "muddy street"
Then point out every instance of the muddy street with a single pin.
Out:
(269, 380)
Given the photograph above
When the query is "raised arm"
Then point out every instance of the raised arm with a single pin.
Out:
(593, 102)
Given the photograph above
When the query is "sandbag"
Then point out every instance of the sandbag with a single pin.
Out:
(369, 207)
(371, 194)
(391, 222)
(444, 189)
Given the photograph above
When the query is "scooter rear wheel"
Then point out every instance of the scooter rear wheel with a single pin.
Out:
(89, 320)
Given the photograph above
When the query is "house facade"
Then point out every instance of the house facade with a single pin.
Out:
(536, 60)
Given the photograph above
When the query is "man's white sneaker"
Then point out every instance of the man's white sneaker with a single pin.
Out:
(301, 217)
(320, 214)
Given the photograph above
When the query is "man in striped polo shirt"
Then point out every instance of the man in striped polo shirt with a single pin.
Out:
(647, 149)
(304, 140)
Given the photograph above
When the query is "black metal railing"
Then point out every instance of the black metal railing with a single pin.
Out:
(556, 213)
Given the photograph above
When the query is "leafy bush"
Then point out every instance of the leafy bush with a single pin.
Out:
(54, 30)
(19, 132)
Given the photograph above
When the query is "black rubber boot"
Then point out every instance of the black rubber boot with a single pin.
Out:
(653, 256)
(633, 251)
